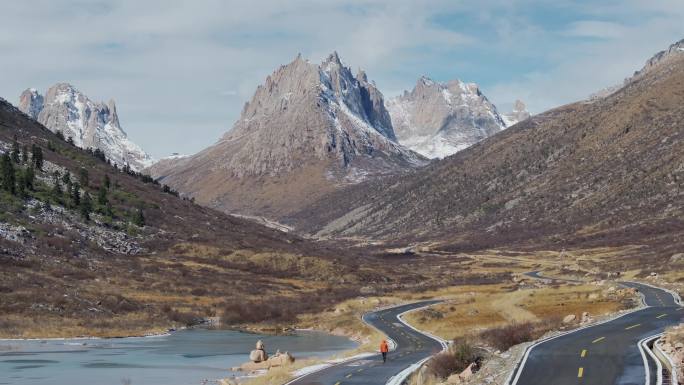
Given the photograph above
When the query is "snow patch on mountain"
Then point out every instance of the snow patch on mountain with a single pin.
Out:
(518, 114)
(87, 123)
(439, 119)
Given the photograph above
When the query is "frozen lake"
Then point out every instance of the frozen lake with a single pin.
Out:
(182, 358)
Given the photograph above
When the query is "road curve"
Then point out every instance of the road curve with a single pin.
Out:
(411, 347)
(604, 354)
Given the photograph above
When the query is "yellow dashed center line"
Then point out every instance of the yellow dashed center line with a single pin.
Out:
(661, 316)
(360, 370)
(584, 353)
(598, 340)
(632, 327)
(337, 383)
(348, 375)
(580, 372)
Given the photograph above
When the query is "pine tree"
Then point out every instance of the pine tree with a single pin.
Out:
(24, 154)
(7, 172)
(29, 178)
(102, 196)
(66, 178)
(76, 195)
(86, 206)
(108, 210)
(56, 193)
(83, 177)
(106, 182)
(15, 150)
(37, 157)
(139, 218)
(60, 134)
(21, 185)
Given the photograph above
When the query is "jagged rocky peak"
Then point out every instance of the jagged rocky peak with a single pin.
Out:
(309, 129)
(304, 110)
(89, 124)
(438, 119)
(518, 114)
(31, 102)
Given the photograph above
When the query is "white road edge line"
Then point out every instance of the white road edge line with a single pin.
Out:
(647, 371)
(363, 355)
(399, 378)
(659, 367)
(677, 298)
(673, 372)
(517, 370)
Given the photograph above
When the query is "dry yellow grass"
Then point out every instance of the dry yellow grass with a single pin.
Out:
(479, 308)
(132, 324)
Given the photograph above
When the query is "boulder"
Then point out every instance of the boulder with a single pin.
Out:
(569, 318)
(260, 360)
(586, 318)
(258, 355)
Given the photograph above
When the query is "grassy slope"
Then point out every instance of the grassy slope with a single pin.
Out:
(57, 280)
(606, 173)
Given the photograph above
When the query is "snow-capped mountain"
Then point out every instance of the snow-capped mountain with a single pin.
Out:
(438, 119)
(89, 124)
(518, 114)
(311, 127)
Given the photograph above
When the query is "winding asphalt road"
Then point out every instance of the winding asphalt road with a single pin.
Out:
(411, 347)
(604, 354)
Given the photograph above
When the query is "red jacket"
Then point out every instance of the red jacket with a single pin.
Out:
(383, 347)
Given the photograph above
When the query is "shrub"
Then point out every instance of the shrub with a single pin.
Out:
(454, 360)
(504, 337)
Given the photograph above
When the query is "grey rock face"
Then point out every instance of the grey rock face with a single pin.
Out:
(31, 102)
(439, 119)
(305, 113)
(308, 130)
(89, 124)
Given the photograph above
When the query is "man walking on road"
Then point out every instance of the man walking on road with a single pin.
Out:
(384, 348)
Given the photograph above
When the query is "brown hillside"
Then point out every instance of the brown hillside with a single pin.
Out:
(605, 172)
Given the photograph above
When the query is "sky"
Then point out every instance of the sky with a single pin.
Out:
(181, 71)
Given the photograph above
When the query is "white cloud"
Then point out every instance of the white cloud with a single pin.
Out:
(181, 71)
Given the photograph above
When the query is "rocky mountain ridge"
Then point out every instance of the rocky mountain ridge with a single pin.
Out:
(308, 129)
(610, 171)
(439, 119)
(89, 124)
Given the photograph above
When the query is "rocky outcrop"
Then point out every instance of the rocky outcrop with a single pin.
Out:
(260, 360)
(87, 123)
(308, 129)
(31, 102)
(675, 49)
(438, 119)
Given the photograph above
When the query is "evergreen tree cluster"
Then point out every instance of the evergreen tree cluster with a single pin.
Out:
(17, 169)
